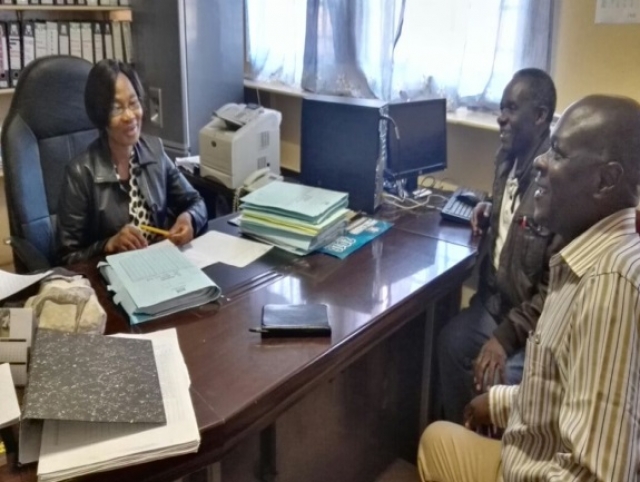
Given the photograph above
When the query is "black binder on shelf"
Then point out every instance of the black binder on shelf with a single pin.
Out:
(4, 57)
(15, 51)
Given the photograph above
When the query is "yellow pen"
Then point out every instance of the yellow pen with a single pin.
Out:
(151, 229)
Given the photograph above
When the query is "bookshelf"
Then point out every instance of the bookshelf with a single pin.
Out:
(57, 13)
(64, 8)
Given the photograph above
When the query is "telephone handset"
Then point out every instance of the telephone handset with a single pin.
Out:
(254, 181)
(260, 178)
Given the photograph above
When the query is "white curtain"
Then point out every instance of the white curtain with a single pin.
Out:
(464, 50)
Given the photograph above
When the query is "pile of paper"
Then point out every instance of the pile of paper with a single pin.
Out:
(16, 331)
(9, 408)
(156, 281)
(294, 217)
(73, 448)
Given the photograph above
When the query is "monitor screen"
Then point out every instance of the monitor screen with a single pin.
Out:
(422, 144)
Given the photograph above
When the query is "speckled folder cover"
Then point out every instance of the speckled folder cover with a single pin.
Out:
(93, 378)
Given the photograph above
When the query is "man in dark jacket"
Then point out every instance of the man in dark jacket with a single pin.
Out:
(484, 344)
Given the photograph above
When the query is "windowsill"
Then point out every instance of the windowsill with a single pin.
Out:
(462, 116)
(469, 118)
(274, 88)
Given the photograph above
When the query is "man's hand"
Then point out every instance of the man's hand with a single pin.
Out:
(480, 217)
(477, 415)
(490, 362)
(182, 231)
(127, 239)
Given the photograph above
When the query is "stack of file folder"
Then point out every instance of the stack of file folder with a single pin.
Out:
(294, 217)
(156, 281)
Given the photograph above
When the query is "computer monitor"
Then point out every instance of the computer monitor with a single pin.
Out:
(422, 144)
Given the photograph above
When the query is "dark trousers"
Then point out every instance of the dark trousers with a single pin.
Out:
(458, 345)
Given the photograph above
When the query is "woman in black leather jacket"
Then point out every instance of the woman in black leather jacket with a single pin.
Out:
(124, 179)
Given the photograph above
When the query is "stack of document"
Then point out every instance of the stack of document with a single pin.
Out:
(294, 217)
(73, 448)
(156, 281)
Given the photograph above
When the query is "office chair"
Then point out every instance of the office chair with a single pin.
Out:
(46, 127)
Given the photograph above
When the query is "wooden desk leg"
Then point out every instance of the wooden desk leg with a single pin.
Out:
(267, 467)
(427, 367)
(210, 473)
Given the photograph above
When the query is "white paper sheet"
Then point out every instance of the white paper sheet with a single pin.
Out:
(215, 247)
(11, 283)
(9, 408)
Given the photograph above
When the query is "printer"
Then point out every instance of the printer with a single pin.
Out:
(239, 140)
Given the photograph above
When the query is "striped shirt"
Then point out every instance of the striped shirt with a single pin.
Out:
(576, 414)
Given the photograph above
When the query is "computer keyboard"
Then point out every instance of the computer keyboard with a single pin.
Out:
(458, 211)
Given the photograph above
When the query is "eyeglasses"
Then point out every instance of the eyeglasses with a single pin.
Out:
(118, 110)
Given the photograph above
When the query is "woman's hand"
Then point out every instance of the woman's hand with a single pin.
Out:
(480, 217)
(127, 239)
(182, 231)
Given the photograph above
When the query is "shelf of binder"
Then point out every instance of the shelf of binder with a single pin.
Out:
(74, 8)
(297, 218)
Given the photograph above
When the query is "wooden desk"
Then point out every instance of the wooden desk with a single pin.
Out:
(312, 409)
(428, 222)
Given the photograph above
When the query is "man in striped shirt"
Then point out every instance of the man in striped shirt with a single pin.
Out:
(576, 414)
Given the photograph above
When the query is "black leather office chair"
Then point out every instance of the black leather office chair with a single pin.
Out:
(47, 126)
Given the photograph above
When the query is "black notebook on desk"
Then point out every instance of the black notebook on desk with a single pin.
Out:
(93, 378)
(295, 320)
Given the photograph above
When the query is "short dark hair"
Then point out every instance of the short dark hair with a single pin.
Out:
(100, 90)
(542, 88)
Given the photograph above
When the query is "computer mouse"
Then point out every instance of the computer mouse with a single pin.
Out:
(469, 198)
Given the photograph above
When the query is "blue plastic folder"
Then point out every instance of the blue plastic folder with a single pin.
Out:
(358, 233)
(156, 281)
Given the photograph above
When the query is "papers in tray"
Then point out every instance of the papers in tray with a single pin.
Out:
(72, 449)
(156, 281)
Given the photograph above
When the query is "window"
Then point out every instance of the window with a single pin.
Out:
(464, 50)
